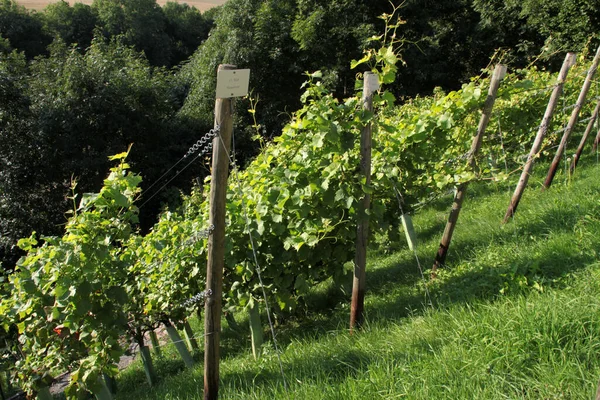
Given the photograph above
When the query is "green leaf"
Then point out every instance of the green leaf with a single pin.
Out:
(366, 58)
(120, 156)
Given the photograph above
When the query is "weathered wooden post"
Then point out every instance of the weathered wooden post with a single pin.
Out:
(570, 60)
(230, 83)
(370, 85)
(572, 120)
(586, 134)
(216, 242)
(459, 196)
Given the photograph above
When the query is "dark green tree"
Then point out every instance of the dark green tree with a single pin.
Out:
(23, 29)
(25, 192)
(527, 26)
(186, 27)
(62, 116)
(331, 33)
(142, 24)
(73, 25)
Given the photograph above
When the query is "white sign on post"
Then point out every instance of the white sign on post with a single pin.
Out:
(232, 83)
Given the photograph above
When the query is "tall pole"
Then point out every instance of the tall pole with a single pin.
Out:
(539, 138)
(572, 120)
(216, 243)
(586, 134)
(371, 84)
(459, 196)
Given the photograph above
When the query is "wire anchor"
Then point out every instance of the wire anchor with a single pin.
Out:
(197, 298)
(204, 144)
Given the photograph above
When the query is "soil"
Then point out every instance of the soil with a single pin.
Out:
(61, 381)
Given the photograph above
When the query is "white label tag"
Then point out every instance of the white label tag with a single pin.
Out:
(232, 83)
(373, 85)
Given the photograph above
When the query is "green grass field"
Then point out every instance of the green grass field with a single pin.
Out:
(514, 315)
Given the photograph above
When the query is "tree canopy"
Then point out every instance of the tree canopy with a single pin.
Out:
(79, 82)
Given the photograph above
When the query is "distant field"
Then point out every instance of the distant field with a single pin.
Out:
(201, 5)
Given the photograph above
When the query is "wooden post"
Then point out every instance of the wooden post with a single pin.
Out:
(216, 243)
(539, 138)
(459, 196)
(370, 85)
(588, 129)
(572, 120)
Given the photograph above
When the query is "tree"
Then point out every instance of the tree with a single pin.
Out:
(73, 25)
(347, 25)
(186, 27)
(23, 29)
(142, 24)
(23, 186)
(529, 24)
(62, 116)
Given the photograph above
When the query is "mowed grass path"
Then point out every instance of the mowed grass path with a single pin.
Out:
(201, 5)
(514, 315)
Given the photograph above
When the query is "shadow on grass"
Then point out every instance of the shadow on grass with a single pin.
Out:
(396, 291)
(345, 363)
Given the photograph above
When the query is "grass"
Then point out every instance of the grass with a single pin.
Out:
(515, 313)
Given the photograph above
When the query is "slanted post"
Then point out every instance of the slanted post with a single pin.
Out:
(572, 120)
(371, 84)
(459, 196)
(570, 60)
(588, 129)
(216, 242)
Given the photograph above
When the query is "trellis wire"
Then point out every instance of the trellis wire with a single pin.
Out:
(202, 335)
(536, 90)
(232, 160)
(203, 146)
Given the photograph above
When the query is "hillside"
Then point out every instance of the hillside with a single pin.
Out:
(515, 315)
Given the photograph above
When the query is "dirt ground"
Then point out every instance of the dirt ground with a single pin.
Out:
(132, 352)
(201, 5)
